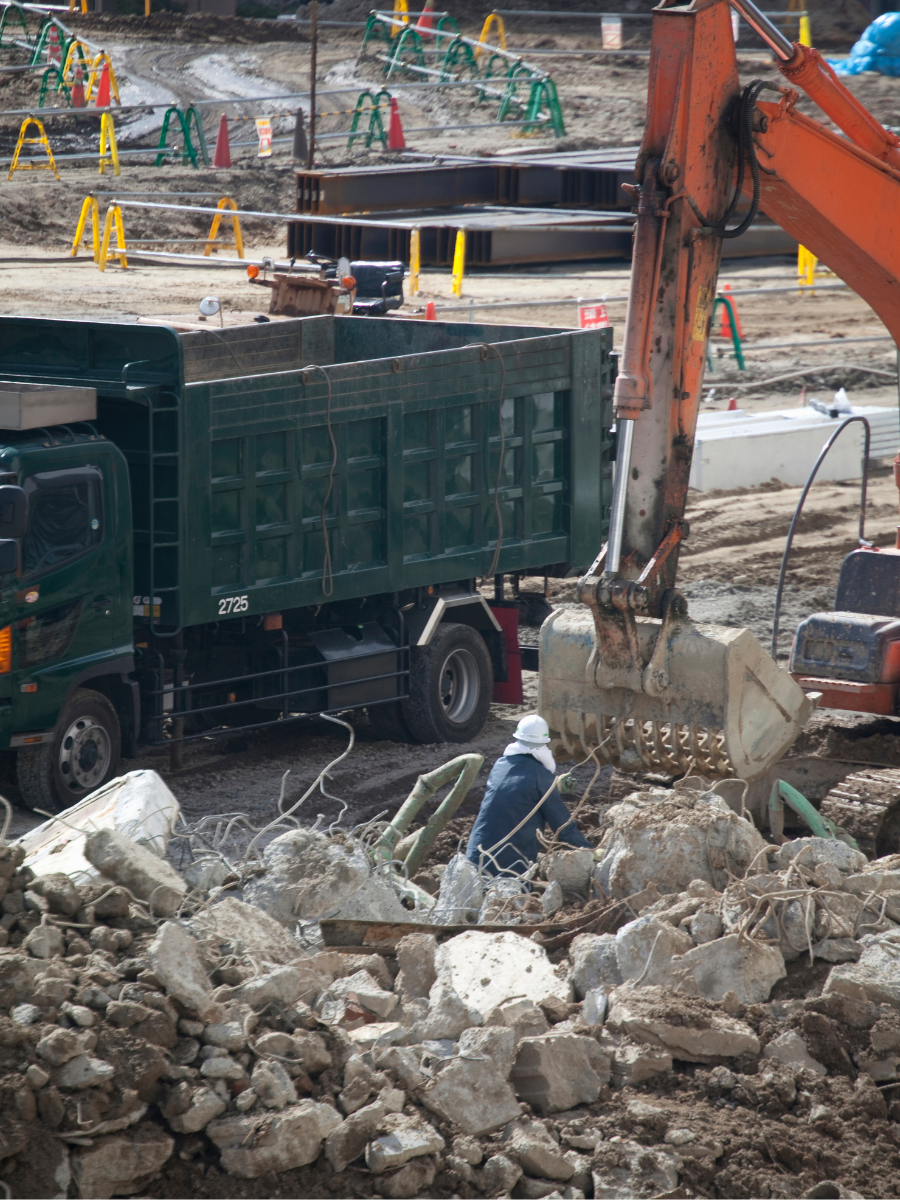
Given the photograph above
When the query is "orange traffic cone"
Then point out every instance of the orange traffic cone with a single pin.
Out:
(424, 23)
(732, 404)
(396, 140)
(53, 55)
(725, 329)
(102, 100)
(222, 155)
(430, 311)
(78, 89)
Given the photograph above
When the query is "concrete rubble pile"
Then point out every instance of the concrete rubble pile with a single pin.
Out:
(155, 1021)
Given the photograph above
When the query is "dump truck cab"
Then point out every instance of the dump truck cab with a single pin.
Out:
(66, 641)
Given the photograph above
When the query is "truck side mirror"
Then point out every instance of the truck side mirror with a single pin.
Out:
(9, 556)
(13, 511)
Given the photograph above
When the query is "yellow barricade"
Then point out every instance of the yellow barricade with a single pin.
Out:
(76, 47)
(73, 4)
(491, 19)
(97, 65)
(113, 217)
(225, 203)
(459, 262)
(91, 208)
(401, 13)
(110, 156)
(415, 261)
(50, 165)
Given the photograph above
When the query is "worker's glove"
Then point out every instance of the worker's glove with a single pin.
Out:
(566, 784)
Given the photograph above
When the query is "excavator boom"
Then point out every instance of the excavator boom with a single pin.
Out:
(629, 677)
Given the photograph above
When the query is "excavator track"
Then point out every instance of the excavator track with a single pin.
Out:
(867, 806)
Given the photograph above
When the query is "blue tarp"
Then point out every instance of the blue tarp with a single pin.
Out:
(877, 50)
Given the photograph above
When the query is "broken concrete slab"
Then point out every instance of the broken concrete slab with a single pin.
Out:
(121, 1164)
(413, 1179)
(790, 1048)
(307, 876)
(559, 1071)
(594, 963)
(688, 1027)
(672, 838)
(374, 900)
(494, 1043)
(176, 964)
(645, 945)
(484, 969)
(633, 1064)
(736, 964)
(415, 958)
(401, 1138)
(252, 1145)
(537, 1153)
(367, 991)
(204, 1106)
(246, 928)
(812, 851)
(523, 1017)
(126, 862)
(877, 971)
(348, 1140)
(571, 869)
(499, 1175)
(474, 1095)
(137, 805)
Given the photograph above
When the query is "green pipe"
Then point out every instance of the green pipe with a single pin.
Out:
(782, 793)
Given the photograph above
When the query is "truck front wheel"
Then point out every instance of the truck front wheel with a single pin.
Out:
(83, 754)
(451, 683)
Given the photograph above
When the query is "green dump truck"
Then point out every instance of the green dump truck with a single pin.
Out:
(215, 530)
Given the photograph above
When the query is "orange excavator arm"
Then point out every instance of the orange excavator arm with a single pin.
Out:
(633, 680)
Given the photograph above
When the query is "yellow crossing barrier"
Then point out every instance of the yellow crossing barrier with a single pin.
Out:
(73, 4)
(401, 13)
(225, 203)
(97, 66)
(459, 262)
(808, 269)
(110, 156)
(50, 165)
(491, 19)
(415, 261)
(113, 217)
(91, 208)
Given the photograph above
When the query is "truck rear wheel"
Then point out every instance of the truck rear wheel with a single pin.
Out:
(83, 754)
(450, 687)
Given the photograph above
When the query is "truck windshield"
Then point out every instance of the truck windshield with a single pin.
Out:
(64, 518)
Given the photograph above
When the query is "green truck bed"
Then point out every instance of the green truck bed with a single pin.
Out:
(240, 440)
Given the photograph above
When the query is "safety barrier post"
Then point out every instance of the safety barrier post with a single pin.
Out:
(91, 208)
(725, 303)
(188, 148)
(459, 262)
(543, 91)
(517, 73)
(377, 29)
(60, 85)
(409, 36)
(225, 203)
(97, 66)
(415, 261)
(108, 157)
(14, 10)
(806, 268)
(446, 19)
(191, 112)
(450, 61)
(376, 125)
(491, 19)
(74, 3)
(41, 140)
(113, 217)
(401, 13)
(805, 37)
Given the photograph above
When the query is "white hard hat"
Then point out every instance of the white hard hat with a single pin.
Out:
(533, 731)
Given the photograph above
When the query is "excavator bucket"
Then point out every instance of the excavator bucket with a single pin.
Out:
(706, 698)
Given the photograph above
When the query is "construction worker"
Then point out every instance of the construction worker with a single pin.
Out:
(505, 834)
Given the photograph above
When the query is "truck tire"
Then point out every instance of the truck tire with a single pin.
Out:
(451, 683)
(82, 756)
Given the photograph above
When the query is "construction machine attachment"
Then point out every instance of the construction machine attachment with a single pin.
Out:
(628, 676)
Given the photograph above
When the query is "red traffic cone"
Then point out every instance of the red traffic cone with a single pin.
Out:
(424, 23)
(78, 89)
(732, 404)
(53, 55)
(102, 100)
(725, 329)
(430, 311)
(222, 155)
(396, 140)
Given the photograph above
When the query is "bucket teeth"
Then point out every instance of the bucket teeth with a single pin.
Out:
(661, 747)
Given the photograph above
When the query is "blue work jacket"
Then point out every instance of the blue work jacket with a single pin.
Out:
(514, 787)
